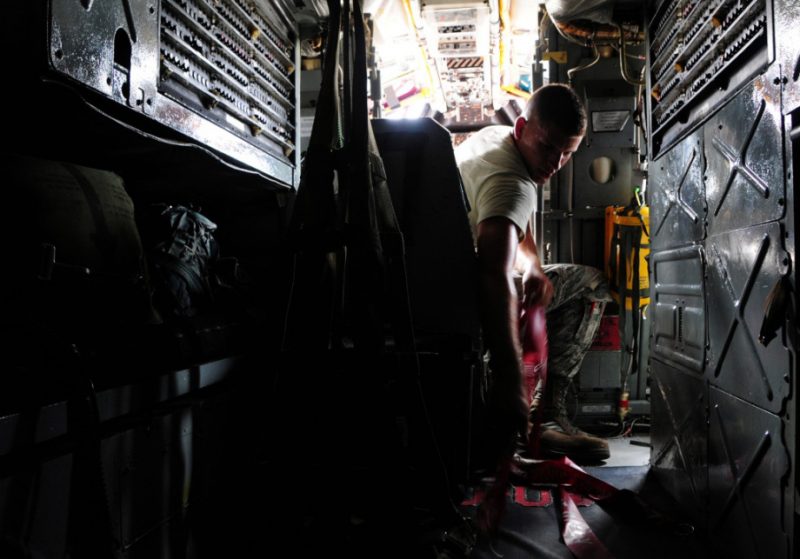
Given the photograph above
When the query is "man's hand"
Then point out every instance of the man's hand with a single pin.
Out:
(536, 287)
(508, 416)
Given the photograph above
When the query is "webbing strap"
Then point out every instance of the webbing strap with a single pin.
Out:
(315, 227)
(576, 483)
(635, 284)
(626, 246)
(573, 482)
(533, 338)
(315, 209)
(578, 536)
(574, 488)
(622, 289)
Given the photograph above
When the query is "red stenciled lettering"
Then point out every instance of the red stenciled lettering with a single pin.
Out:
(518, 495)
(476, 499)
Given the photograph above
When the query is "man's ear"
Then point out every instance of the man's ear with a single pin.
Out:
(519, 125)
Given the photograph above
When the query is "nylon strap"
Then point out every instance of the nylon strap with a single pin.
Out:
(315, 229)
(574, 484)
(578, 536)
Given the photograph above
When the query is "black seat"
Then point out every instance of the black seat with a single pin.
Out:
(432, 209)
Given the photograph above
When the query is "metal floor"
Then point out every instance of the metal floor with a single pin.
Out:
(624, 453)
(531, 532)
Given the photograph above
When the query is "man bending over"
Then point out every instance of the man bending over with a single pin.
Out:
(501, 167)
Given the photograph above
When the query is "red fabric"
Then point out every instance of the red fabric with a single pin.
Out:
(533, 337)
(578, 537)
(576, 487)
(564, 471)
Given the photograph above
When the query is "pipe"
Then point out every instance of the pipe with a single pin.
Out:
(623, 62)
(573, 71)
(599, 31)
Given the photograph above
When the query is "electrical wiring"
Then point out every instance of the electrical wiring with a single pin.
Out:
(625, 428)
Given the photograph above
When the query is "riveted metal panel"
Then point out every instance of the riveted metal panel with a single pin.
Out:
(617, 191)
(677, 201)
(150, 474)
(678, 308)
(743, 266)
(679, 435)
(748, 462)
(787, 16)
(744, 152)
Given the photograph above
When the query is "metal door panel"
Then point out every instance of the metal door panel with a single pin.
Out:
(744, 153)
(679, 435)
(678, 307)
(677, 199)
(152, 472)
(743, 266)
(747, 462)
(787, 16)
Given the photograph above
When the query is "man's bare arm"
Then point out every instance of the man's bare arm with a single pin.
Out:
(497, 241)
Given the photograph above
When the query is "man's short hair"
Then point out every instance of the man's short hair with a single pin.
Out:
(558, 105)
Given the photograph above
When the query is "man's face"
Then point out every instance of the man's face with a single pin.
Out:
(545, 149)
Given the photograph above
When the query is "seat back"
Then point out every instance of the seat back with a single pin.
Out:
(431, 206)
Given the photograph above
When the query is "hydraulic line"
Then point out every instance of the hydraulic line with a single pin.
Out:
(572, 71)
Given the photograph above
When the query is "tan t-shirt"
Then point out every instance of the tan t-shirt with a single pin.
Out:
(496, 180)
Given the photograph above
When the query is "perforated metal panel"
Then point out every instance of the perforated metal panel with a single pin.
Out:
(677, 204)
(743, 266)
(744, 152)
(221, 73)
(747, 467)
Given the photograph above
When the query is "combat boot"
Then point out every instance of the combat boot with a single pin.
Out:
(558, 436)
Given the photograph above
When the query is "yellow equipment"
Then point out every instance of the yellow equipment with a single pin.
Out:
(627, 247)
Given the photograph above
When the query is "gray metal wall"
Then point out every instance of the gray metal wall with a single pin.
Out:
(572, 213)
(723, 226)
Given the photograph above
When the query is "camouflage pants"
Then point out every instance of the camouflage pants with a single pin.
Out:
(580, 294)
